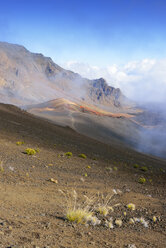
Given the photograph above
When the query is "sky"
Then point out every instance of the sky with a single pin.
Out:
(107, 38)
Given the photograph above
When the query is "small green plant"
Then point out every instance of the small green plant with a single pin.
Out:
(154, 219)
(27, 174)
(37, 150)
(68, 154)
(142, 180)
(115, 168)
(94, 158)
(144, 168)
(1, 167)
(136, 166)
(30, 151)
(82, 155)
(19, 143)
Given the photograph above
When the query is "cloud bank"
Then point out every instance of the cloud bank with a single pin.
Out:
(143, 81)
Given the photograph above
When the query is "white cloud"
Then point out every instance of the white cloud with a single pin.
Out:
(143, 80)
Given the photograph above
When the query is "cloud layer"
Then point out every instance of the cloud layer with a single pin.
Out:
(142, 81)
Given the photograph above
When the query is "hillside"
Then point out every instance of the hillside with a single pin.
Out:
(90, 120)
(90, 107)
(33, 208)
(27, 78)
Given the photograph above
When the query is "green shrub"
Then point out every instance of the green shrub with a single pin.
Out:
(19, 143)
(30, 151)
(142, 180)
(82, 155)
(1, 168)
(68, 154)
(144, 168)
(94, 158)
(136, 166)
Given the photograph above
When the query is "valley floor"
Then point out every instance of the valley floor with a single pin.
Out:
(32, 207)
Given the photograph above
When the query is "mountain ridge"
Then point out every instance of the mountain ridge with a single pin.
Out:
(27, 78)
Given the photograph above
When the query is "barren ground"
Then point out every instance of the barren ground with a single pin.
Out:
(32, 209)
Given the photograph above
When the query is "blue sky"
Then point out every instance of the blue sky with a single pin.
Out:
(99, 32)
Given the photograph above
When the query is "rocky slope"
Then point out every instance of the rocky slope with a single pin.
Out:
(33, 208)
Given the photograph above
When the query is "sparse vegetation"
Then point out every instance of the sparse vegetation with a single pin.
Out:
(30, 151)
(109, 224)
(109, 169)
(136, 166)
(154, 218)
(94, 158)
(1, 167)
(144, 168)
(68, 154)
(82, 155)
(19, 143)
(87, 211)
(78, 215)
(131, 221)
(131, 206)
(50, 165)
(53, 180)
(142, 180)
(78, 212)
(162, 170)
(103, 210)
(103, 204)
(115, 168)
(118, 222)
(27, 174)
